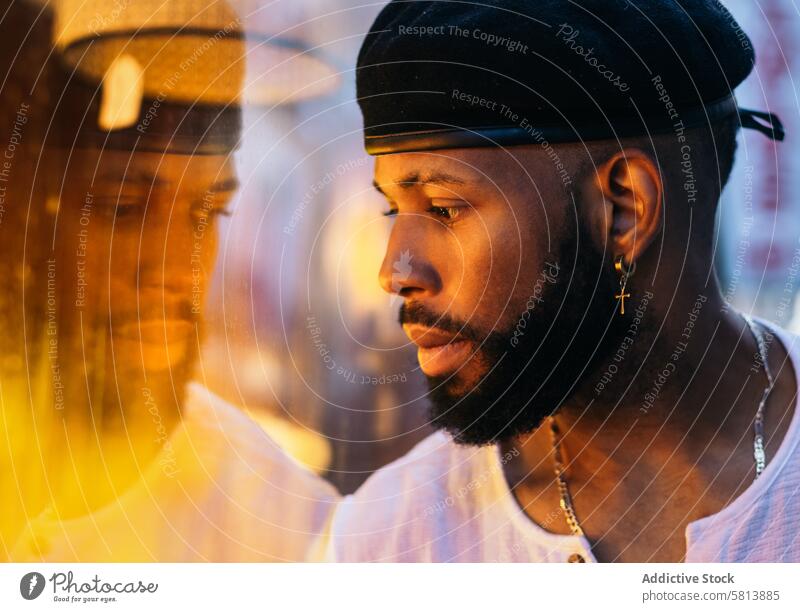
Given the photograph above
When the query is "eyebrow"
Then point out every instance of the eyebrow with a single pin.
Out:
(413, 179)
(132, 176)
(225, 186)
(149, 179)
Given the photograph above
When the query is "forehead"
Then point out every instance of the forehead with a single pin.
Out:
(484, 167)
(462, 166)
(191, 171)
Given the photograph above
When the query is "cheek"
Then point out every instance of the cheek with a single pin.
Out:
(209, 244)
(196, 256)
(492, 268)
(124, 249)
(87, 251)
(521, 270)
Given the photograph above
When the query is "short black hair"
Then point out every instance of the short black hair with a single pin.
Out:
(711, 151)
(723, 137)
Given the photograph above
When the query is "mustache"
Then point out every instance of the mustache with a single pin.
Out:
(416, 313)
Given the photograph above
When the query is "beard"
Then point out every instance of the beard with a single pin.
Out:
(567, 326)
(116, 381)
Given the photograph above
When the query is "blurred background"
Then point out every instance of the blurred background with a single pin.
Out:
(300, 335)
(759, 230)
(306, 241)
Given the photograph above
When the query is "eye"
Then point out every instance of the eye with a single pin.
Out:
(209, 208)
(392, 212)
(205, 213)
(446, 213)
(121, 207)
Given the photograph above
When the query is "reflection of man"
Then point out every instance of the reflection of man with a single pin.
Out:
(139, 464)
(135, 243)
(559, 210)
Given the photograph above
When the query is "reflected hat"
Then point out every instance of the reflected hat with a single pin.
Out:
(151, 76)
(443, 74)
(173, 75)
(112, 115)
(213, 51)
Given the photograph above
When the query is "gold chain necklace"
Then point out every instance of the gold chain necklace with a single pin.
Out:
(759, 456)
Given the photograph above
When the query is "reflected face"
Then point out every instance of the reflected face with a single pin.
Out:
(503, 319)
(138, 233)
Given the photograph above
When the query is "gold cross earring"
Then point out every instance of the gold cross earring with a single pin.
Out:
(624, 274)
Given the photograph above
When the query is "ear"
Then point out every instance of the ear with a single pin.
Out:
(632, 190)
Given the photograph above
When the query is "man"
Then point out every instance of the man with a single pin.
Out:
(553, 170)
(129, 460)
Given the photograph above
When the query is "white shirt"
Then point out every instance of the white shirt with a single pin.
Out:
(445, 502)
(236, 496)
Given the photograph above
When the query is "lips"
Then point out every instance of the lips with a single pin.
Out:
(439, 353)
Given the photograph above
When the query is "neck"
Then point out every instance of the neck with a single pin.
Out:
(669, 372)
(670, 409)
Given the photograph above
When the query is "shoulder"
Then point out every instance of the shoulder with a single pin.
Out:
(762, 523)
(408, 504)
(207, 414)
(225, 434)
(259, 496)
(788, 337)
(436, 463)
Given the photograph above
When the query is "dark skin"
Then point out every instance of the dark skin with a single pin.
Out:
(139, 231)
(480, 224)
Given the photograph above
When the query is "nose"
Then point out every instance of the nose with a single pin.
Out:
(174, 253)
(407, 269)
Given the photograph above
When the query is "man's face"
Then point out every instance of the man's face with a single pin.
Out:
(500, 278)
(137, 235)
